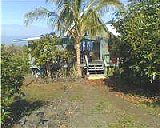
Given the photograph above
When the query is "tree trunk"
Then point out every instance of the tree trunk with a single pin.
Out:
(78, 58)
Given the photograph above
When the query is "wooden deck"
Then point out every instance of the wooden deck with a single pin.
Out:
(94, 69)
(96, 77)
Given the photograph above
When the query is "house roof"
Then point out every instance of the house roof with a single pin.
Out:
(112, 29)
(27, 39)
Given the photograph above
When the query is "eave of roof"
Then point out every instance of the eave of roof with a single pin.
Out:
(112, 29)
(27, 39)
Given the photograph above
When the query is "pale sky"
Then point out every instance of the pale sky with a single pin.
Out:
(12, 18)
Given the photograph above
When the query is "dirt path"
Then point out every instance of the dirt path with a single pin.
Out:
(79, 105)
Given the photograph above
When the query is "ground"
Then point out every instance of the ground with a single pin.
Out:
(80, 104)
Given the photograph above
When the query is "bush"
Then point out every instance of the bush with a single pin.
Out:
(50, 50)
(140, 40)
(13, 68)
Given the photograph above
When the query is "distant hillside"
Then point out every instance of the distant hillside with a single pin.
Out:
(9, 40)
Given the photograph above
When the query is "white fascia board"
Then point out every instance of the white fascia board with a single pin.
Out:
(33, 38)
(112, 29)
(26, 39)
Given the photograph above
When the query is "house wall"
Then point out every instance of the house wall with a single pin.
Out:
(103, 48)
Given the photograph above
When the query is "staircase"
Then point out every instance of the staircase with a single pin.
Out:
(95, 67)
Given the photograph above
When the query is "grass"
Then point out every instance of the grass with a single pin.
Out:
(152, 108)
(92, 101)
(102, 106)
(57, 89)
(76, 98)
(126, 122)
(43, 92)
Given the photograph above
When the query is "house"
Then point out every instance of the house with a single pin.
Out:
(96, 57)
(95, 52)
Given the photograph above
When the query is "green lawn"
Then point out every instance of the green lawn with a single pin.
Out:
(81, 104)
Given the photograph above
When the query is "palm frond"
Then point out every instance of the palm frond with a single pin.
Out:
(91, 23)
(35, 15)
(111, 2)
(60, 3)
(74, 16)
(103, 5)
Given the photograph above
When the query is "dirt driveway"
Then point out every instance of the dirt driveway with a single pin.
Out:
(79, 104)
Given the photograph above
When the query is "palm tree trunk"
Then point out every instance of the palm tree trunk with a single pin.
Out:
(78, 58)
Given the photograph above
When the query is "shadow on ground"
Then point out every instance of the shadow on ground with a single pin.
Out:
(150, 91)
(154, 104)
(19, 109)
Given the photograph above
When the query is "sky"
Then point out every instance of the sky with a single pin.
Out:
(12, 19)
(13, 10)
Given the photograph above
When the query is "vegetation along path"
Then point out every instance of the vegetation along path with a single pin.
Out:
(79, 104)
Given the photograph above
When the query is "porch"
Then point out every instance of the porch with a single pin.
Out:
(95, 58)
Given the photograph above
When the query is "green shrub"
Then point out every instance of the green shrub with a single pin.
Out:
(140, 40)
(13, 68)
(51, 48)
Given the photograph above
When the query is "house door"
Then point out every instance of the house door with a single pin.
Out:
(96, 50)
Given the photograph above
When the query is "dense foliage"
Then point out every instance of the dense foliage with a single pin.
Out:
(14, 64)
(50, 49)
(140, 39)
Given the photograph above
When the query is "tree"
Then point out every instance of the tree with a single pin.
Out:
(74, 17)
(140, 38)
(48, 49)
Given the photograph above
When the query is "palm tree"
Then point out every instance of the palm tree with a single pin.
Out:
(74, 17)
